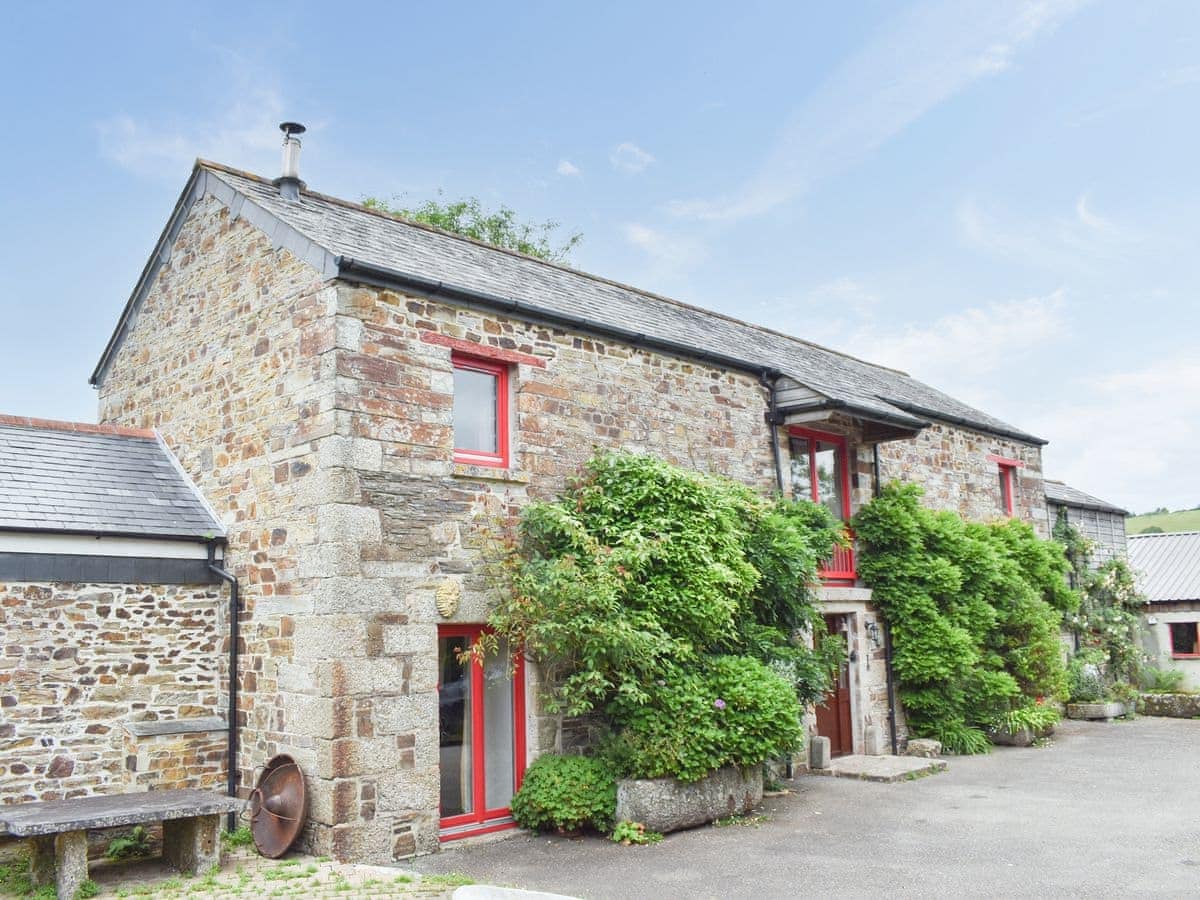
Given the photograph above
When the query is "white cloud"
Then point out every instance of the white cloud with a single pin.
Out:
(568, 169)
(629, 157)
(1128, 436)
(667, 252)
(245, 134)
(962, 351)
(1067, 242)
(929, 55)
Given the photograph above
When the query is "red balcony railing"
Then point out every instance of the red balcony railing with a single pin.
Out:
(839, 568)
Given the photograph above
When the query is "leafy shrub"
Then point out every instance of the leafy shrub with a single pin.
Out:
(1085, 677)
(735, 711)
(634, 833)
(134, 843)
(636, 588)
(1037, 717)
(566, 793)
(1162, 681)
(974, 609)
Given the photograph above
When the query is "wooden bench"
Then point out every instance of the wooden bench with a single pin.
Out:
(58, 830)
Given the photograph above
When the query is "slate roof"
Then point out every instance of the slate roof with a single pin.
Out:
(1167, 565)
(1065, 495)
(95, 479)
(352, 233)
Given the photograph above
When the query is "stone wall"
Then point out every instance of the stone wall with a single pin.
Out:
(230, 358)
(80, 661)
(952, 465)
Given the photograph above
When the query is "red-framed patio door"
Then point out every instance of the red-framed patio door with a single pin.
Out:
(481, 733)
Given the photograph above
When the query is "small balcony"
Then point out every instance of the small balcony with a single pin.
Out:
(838, 570)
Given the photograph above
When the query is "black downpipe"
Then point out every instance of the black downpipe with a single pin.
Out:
(773, 422)
(887, 630)
(234, 611)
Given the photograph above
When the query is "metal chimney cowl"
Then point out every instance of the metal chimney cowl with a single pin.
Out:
(289, 182)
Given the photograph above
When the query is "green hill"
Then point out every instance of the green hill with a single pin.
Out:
(1183, 520)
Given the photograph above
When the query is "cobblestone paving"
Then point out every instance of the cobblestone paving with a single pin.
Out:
(243, 874)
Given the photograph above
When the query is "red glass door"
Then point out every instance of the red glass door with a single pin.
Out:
(481, 733)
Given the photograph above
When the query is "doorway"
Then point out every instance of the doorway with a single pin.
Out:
(481, 733)
(833, 714)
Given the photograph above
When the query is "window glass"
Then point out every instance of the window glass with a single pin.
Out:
(454, 726)
(498, 724)
(475, 395)
(829, 477)
(802, 481)
(1006, 500)
(1184, 639)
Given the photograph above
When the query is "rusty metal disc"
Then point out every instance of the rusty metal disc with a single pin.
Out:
(278, 806)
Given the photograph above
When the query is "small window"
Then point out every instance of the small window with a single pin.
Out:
(1006, 489)
(480, 412)
(1184, 639)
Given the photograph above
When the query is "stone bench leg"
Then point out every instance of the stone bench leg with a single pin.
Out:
(192, 846)
(61, 860)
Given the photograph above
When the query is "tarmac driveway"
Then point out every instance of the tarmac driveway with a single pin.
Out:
(1105, 810)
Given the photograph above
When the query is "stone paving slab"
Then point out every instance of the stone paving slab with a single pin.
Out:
(887, 769)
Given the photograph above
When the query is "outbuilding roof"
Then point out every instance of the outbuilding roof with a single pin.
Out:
(1065, 495)
(72, 478)
(347, 240)
(1167, 565)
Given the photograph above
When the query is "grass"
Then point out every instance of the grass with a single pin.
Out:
(1181, 520)
(239, 838)
(751, 821)
(449, 879)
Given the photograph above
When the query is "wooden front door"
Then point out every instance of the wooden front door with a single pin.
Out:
(833, 715)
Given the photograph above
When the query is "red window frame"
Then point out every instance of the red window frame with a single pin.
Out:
(839, 569)
(501, 459)
(487, 820)
(843, 457)
(1195, 641)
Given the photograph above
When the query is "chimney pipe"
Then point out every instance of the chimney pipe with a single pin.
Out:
(289, 182)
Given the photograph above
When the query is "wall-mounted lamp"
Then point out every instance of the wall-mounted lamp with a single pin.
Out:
(873, 634)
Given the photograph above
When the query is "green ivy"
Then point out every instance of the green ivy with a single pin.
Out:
(647, 592)
(974, 610)
(566, 793)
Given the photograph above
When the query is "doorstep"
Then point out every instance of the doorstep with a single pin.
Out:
(887, 769)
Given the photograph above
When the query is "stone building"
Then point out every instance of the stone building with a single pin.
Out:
(367, 402)
(1167, 568)
(112, 619)
(1100, 522)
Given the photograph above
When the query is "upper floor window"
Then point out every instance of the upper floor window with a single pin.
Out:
(819, 470)
(480, 411)
(1007, 473)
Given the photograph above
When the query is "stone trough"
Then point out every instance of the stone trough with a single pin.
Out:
(664, 804)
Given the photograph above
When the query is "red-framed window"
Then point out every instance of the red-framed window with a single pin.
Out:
(481, 733)
(820, 471)
(481, 423)
(1185, 639)
(1007, 470)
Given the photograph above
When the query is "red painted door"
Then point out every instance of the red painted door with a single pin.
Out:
(833, 714)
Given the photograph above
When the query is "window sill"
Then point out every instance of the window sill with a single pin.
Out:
(1185, 656)
(489, 473)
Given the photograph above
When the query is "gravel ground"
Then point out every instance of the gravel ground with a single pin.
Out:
(1105, 810)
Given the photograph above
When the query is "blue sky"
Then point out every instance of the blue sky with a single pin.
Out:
(1000, 198)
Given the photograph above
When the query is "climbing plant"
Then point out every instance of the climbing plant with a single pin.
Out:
(674, 605)
(975, 612)
(1108, 662)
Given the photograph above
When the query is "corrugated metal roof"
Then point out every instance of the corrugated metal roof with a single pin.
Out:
(348, 230)
(60, 477)
(1167, 565)
(1065, 495)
